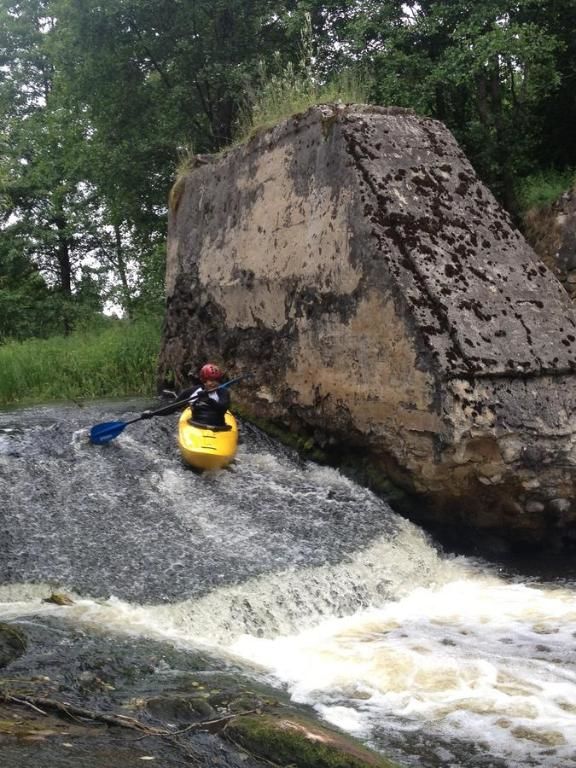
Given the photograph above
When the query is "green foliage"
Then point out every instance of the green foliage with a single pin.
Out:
(29, 307)
(544, 187)
(118, 358)
(44, 198)
(97, 101)
(77, 198)
(158, 74)
(483, 68)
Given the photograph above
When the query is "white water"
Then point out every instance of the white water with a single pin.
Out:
(458, 657)
(492, 661)
(315, 585)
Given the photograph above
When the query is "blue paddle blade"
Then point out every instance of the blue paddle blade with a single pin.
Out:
(103, 433)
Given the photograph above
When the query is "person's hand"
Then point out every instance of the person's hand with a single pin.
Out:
(200, 394)
(146, 415)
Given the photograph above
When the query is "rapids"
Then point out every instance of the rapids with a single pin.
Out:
(307, 580)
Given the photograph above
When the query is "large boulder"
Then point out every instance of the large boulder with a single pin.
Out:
(351, 257)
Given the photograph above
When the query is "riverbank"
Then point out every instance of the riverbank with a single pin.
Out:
(115, 359)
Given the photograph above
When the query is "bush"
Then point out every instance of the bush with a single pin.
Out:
(544, 187)
(117, 358)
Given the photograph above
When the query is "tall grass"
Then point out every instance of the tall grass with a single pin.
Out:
(543, 187)
(290, 92)
(117, 360)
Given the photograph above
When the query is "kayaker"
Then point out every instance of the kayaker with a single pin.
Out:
(208, 403)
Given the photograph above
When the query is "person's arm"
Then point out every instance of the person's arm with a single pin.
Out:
(197, 393)
(181, 402)
(186, 394)
(223, 399)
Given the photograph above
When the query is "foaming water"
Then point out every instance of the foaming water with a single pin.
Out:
(478, 660)
(468, 671)
(309, 580)
(281, 603)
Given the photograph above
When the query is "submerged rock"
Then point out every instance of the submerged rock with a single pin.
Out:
(291, 740)
(353, 260)
(13, 644)
(58, 598)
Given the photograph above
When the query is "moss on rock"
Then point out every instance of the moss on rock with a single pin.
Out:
(13, 643)
(298, 742)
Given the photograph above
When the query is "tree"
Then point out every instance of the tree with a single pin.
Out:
(484, 68)
(556, 110)
(27, 305)
(43, 139)
(57, 184)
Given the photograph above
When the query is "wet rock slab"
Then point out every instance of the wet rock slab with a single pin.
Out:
(106, 702)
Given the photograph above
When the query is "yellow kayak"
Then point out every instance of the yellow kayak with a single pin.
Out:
(207, 447)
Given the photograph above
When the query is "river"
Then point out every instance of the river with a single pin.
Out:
(308, 581)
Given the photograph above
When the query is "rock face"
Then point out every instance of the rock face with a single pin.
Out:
(552, 231)
(352, 259)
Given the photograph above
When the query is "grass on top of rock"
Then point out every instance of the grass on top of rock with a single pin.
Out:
(283, 95)
(284, 88)
(115, 359)
(291, 92)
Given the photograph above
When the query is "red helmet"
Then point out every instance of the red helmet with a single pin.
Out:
(210, 372)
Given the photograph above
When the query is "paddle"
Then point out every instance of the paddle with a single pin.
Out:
(104, 433)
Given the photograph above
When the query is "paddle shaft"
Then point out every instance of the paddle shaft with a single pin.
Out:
(226, 384)
(104, 433)
(184, 401)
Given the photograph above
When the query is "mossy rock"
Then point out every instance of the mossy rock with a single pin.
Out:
(58, 598)
(180, 709)
(354, 465)
(297, 742)
(13, 643)
(245, 703)
(303, 443)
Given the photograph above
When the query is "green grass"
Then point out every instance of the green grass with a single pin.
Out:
(288, 94)
(116, 360)
(544, 187)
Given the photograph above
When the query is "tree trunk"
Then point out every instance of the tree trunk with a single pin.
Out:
(63, 257)
(122, 272)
